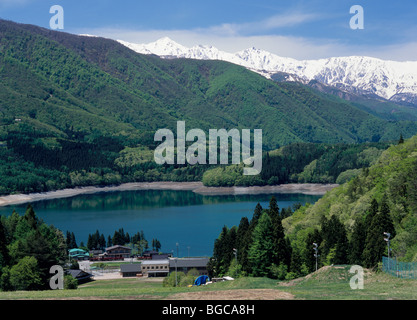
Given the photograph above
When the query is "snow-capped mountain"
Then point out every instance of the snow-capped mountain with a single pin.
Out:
(390, 80)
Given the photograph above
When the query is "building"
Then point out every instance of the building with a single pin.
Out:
(186, 264)
(153, 254)
(78, 254)
(96, 252)
(155, 268)
(80, 275)
(118, 251)
(130, 270)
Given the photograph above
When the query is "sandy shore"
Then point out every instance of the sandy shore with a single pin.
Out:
(197, 187)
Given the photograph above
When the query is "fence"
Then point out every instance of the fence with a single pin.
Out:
(405, 270)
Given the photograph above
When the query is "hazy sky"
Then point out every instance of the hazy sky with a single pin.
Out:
(299, 28)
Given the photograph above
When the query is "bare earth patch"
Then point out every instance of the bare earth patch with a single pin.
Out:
(241, 294)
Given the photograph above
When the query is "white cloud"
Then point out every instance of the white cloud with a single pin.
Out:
(271, 23)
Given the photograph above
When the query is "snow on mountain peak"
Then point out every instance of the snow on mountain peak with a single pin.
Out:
(381, 77)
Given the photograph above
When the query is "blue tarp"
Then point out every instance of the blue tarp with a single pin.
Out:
(201, 280)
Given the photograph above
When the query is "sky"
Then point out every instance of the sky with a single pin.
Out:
(298, 29)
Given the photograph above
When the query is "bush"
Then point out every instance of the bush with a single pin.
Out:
(279, 272)
(173, 278)
(187, 280)
(70, 282)
(25, 274)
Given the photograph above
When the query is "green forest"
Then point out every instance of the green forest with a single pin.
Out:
(260, 247)
(28, 249)
(347, 224)
(78, 111)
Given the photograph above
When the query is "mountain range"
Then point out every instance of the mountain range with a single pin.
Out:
(56, 82)
(390, 80)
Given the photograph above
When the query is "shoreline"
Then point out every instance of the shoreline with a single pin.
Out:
(197, 187)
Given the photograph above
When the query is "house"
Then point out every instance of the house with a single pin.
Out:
(155, 268)
(130, 270)
(118, 251)
(96, 252)
(80, 275)
(186, 264)
(160, 256)
(78, 254)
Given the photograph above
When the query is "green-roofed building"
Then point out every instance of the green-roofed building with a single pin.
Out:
(78, 254)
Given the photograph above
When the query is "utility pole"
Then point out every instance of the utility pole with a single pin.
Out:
(316, 255)
(388, 235)
(235, 253)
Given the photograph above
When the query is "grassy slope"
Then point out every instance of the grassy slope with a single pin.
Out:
(328, 283)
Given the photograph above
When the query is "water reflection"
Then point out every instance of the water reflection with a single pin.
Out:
(192, 219)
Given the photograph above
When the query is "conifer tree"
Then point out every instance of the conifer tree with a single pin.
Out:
(223, 250)
(261, 255)
(357, 242)
(307, 255)
(243, 241)
(30, 217)
(256, 215)
(334, 240)
(4, 254)
(281, 252)
(375, 245)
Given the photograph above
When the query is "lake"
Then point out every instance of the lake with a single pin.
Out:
(192, 220)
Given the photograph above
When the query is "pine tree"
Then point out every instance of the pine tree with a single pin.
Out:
(90, 245)
(30, 217)
(102, 242)
(295, 265)
(375, 245)
(223, 251)
(4, 253)
(68, 240)
(281, 252)
(334, 240)
(109, 241)
(256, 215)
(261, 255)
(243, 240)
(357, 242)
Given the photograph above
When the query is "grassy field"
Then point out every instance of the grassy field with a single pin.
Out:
(328, 283)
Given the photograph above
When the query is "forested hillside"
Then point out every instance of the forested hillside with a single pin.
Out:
(302, 163)
(387, 189)
(78, 110)
(347, 224)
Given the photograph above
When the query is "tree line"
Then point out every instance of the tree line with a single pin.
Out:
(97, 241)
(260, 247)
(29, 248)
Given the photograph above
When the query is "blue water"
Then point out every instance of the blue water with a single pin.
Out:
(191, 220)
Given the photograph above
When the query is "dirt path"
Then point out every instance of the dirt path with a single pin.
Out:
(240, 294)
